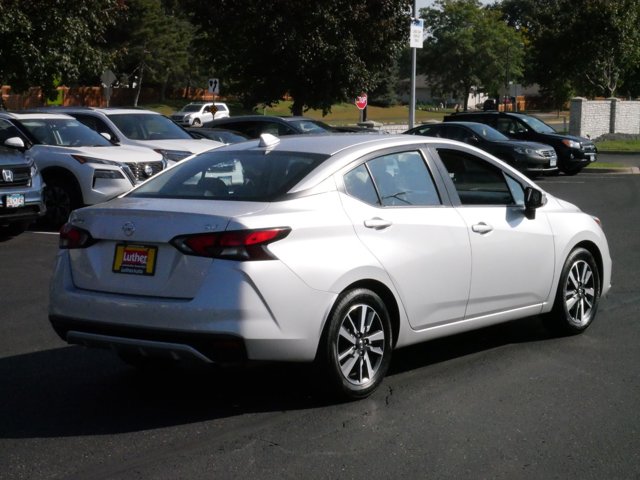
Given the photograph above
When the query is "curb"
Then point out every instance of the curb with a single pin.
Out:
(622, 171)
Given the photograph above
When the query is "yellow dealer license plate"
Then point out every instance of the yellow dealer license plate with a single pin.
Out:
(135, 259)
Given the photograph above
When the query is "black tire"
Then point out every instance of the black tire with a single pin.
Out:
(356, 349)
(61, 197)
(578, 295)
(14, 229)
(570, 171)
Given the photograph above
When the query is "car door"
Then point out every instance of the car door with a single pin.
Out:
(400, 215)
(512, 257)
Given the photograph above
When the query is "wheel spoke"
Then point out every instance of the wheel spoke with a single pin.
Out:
(347, 335)
(377, 336)
(571, 301)
(346, 353)
(347, 367)
(376, 350)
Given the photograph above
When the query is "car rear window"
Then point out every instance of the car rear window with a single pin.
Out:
(232, 175)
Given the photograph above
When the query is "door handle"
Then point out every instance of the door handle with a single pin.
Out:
(377, 223)
(481, 228)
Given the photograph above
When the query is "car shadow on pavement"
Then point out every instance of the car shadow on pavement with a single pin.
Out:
(74, 391)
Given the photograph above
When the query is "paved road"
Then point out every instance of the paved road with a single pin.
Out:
(507, 402)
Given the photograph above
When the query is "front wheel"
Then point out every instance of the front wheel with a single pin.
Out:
(197, 122)
(357, 346)
(578, 294)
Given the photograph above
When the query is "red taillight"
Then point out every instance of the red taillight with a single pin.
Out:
(74, 237)
(232, 245)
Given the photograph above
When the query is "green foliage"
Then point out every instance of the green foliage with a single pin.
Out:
(588, 47)
(469, 46)
(319, 52)
(41, 41)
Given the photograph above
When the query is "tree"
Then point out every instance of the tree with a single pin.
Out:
(153, 43)
(318, 52)
(47, 43)
(469, 46)
(584, 46)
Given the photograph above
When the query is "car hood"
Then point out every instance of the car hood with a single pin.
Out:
(559, 137)
(127, 154)
(183, 145)
(520, 143)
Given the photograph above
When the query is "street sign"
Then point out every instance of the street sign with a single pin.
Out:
(416, 34)
(214, 86)
(361, 101)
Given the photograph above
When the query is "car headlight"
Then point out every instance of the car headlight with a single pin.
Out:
(84, 159)
(173, 155)
(571, 143)
(525, 151)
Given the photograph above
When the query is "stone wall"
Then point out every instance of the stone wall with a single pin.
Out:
(594, 118)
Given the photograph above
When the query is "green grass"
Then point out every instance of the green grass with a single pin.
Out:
(341, 114)
(630, 146)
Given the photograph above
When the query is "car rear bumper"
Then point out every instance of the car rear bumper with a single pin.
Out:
(236, 312)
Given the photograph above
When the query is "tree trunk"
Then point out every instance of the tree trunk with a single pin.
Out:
(139, 87)
(297, 107)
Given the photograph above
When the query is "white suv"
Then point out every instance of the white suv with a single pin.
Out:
(143, 128)
(79, 166)
(195, 114)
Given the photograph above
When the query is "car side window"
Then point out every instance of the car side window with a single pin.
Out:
(398, 179)
(477, 181)
(509, 126)
(7, 130)
(96, 124)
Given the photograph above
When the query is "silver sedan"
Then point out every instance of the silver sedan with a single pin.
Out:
(336, 249)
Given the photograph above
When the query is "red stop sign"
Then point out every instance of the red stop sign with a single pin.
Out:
(361, 101)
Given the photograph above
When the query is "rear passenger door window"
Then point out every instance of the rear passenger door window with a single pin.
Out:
(394, 180)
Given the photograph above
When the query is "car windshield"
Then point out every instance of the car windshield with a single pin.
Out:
(63, 132)
(537, 125)
(147, 126)
(191, 108)
(232, 175)
(311, 126)
(488, 133)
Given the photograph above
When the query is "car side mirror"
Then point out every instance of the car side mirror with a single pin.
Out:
(106, 135)
(15, 142)
(533, 199)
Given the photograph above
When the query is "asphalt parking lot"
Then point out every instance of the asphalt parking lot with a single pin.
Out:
(504, 402)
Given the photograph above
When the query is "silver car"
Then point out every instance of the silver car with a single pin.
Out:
(336, 249)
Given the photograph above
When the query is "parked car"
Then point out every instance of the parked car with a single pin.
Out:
(142, 128)
(530, 157)
(255, 125)
(218, 134)
(195, 114)
(21, 188)
(331, 248)
(79, 166)
(574, 153)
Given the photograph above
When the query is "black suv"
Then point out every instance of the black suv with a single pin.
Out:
(531, 158)
(574, 153)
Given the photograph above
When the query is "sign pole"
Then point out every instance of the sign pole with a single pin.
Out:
(412, 101)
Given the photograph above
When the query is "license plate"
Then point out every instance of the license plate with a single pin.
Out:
(14, 200)
(591, 157)
(553, 162)
(135, 259)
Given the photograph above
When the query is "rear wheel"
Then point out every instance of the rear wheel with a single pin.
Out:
(578, 294)
(357, 346)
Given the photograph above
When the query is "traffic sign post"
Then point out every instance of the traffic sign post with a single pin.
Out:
(214, 86)
(361, 103)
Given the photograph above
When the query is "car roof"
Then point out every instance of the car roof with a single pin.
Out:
(332, 144)
(33, 115)
(104, 110)
(265, 118)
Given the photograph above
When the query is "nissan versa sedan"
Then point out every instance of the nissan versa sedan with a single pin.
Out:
(334, 249)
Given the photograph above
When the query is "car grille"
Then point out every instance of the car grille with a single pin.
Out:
(21, 176)
(589, 147)
(548, 153)
(143, 170)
